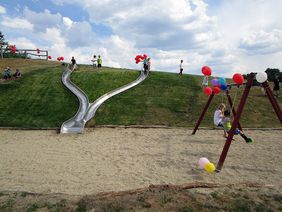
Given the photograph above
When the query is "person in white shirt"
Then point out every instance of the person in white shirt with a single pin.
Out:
(181, 67)
(218, 116)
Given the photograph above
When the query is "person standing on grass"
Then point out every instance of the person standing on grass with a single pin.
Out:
(276, 87)
(181, 67)
(94, 60)
(99, 61)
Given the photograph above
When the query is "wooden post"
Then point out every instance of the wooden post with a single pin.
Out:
(235, 122)
(272, 100)
(203, 113)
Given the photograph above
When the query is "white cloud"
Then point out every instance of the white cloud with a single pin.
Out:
(18, 23)
(262, 42)
(67, 22)
(2, 10)
(230, 38)
(22, 43)
(42, 20)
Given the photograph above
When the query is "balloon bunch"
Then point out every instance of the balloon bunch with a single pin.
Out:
(206, 70)
(38, 51)
(60, 58)
(13, 48)
(140, 58)
(49, 57)
(204, 163)
(217, 84)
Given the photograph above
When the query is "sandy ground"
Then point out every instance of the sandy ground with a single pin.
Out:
(116, 159)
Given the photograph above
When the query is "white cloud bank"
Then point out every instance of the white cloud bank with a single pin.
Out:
(230, 38)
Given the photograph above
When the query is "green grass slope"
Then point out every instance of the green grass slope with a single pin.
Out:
(39, 99)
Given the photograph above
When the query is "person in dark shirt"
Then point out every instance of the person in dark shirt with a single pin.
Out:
(276, 87)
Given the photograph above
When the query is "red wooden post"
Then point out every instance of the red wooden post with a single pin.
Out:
(231, 105)
(272, 100)
(203, 113)
(235, 122)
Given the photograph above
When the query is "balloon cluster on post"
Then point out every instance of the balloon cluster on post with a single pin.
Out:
(140, 58)
(204, 163)
(206, 70)
(60, 58)
(13, 48)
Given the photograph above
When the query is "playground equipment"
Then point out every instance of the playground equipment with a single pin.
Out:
(87, 110)
(237, 114)
(34, 52)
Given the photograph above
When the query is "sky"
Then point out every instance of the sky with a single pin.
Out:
(230, 36)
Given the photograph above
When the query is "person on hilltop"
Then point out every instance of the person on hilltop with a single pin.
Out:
(73, 62)
(181, 67)
(94, 60)
(99, 61)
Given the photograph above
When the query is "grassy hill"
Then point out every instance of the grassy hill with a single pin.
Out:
(39, 99)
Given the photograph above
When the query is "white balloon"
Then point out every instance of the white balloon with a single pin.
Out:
(261, 77)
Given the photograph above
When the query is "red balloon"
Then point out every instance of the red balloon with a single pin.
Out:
(49, 57)
(216, 90)
(58, 58)
(208, 90)
(145, 56)
(238, 78)
(206, 71)
(62, 58)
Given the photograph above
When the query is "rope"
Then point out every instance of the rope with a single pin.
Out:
(234, 100)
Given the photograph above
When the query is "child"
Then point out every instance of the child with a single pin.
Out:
(94, 61)
(181, 67)
(99, 61)
(17, 74)
(218, 116)
(226, 122)
(7, 73)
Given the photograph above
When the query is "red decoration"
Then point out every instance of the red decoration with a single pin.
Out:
(206, 71)
(13, 48)
(238, 78)
(140, 58)
(216, 90)
(208, 90)
(62, 58)
(49, 57)
(38, 51)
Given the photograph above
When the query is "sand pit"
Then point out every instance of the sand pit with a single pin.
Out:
(116, 159)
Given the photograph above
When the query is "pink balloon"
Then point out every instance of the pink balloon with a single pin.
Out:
(202, 162)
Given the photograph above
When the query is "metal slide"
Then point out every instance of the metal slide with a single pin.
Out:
(87, 110)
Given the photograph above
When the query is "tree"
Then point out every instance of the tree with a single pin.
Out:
(3, 44)
(272, 73)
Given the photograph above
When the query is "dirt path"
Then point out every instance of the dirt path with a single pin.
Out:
(105, 159)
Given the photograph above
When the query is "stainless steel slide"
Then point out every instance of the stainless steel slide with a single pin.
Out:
(86, 110)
